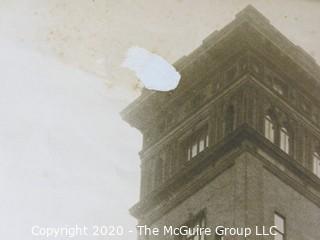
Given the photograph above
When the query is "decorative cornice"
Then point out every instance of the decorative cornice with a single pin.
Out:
(137, 113)
(199, 113)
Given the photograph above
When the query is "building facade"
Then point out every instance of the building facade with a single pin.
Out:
(238, 142)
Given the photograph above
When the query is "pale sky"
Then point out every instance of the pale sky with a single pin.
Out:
(66, 157)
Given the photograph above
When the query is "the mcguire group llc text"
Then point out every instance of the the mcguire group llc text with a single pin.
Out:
(144, 230)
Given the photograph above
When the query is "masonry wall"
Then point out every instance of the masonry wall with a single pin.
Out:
(216, 198)
(302, 216)
(223, 200)
(247, 195)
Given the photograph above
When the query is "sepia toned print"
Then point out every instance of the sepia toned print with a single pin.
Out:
(159, 119)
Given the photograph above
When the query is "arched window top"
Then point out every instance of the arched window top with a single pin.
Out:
(268, 117)
(284, 129)
(271, 113)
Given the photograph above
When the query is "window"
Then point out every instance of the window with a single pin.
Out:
(279, 222)
(195, 224)
(197, 142)
(269, 128)
(229, 120)
(284, 139)
(277, 133)
(316, 164)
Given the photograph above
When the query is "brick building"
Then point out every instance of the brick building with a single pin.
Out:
(238, 142)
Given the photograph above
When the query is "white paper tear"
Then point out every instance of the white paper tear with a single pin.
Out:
(151, 69)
